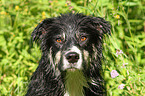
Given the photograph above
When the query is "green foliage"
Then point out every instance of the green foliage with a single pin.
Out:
(74, 82)
(123, 51)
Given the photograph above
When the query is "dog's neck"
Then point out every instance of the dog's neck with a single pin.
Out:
(75, 81)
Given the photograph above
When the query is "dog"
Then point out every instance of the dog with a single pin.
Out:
(70, 64)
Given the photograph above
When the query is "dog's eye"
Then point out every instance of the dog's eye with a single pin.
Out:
(83, 38)
(59, 40)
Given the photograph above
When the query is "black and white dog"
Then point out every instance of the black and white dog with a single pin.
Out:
(70, 65)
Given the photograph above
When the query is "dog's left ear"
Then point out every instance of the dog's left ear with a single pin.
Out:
(41, 29)
(101, 25)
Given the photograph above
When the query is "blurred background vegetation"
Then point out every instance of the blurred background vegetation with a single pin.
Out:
(124, 51)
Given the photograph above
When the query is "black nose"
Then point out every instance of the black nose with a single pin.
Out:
(72, 57)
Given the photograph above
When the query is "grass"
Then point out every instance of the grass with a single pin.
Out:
(123, 51)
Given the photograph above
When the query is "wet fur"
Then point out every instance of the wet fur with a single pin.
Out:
(49, 79)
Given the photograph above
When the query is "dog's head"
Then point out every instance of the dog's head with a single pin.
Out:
(71, 41)
(72, 44)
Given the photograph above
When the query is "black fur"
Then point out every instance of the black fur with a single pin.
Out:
(44, 81)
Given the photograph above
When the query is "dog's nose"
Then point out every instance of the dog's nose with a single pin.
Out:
(72, 57)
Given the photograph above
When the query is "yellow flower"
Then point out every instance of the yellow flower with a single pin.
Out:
(26, 10)
(43, 13)
(56, 1)
(35, 25)
(17, 7)
(65, 4)
(3, 13)
(41, 20)
(117, 16)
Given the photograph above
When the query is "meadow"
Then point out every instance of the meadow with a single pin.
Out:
(123, 51)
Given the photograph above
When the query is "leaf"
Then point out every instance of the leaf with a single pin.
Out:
(131, 4)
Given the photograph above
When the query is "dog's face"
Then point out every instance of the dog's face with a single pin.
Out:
(71, 41)
(71, 47)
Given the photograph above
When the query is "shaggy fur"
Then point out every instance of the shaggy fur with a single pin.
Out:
(70, 65)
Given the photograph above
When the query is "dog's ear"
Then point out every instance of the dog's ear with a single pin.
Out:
(101, 25)
(40, 29)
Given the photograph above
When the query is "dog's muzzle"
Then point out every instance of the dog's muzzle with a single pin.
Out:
(72, 59)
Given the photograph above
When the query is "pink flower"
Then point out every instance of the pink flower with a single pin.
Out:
(118, 52)
(114, 73)
(121, 86)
